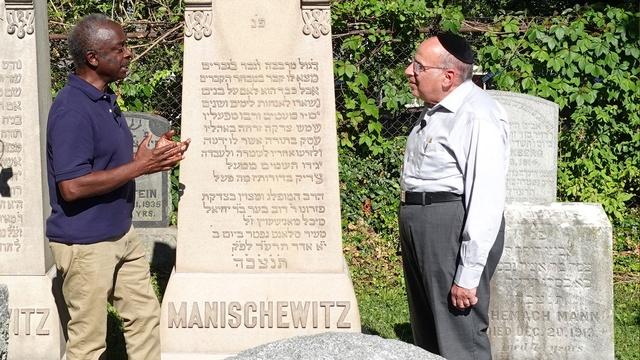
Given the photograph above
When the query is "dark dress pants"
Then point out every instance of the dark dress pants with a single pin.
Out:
(430, 237)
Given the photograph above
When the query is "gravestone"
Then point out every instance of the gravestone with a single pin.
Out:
(153, 205)
(153, 200)
(552, 293)
(552, 296)
(533, 125)
(26, 267)
(259, 251)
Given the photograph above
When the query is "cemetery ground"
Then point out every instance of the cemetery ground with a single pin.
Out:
(376, 271)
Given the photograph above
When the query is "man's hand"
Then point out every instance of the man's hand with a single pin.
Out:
(164, 156)
(462, 298)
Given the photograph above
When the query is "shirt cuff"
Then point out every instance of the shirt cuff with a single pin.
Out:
(468, 278)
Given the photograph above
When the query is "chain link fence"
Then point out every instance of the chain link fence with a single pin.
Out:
(156, 55)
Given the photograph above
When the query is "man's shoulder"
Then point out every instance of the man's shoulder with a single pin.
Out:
(483, 105)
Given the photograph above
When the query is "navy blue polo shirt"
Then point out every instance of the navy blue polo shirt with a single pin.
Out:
(86, 132)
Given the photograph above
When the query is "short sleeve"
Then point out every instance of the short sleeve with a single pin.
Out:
(70, 144)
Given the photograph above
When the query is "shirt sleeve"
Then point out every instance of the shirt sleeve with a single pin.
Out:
(70, 138)
(485, 191)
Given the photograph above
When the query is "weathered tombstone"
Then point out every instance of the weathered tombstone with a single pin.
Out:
(259, 254)
(153, 200)
(32, 324)
(552, 293)
(533, 169)
(152, 191)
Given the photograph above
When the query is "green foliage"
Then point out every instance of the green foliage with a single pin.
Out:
(586, 61)
(370, 36)
(370, 188)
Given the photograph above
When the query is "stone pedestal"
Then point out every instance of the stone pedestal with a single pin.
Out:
(259, 221)
(552, 295)
(33, 326)
(30, 328)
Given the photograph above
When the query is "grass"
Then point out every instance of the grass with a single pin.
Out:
(377, 276)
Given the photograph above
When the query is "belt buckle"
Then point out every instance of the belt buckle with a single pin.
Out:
(402, 196)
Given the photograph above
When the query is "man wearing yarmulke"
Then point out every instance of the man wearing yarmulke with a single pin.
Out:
(452, 201)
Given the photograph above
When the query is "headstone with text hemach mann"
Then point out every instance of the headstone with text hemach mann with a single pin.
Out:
(29, 322)
(259, 254)
(552, 293)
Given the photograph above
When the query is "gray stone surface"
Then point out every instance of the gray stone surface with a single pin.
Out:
(552, 294)
(259, 236)
(533, 124)
(4, 321)
(336, 346)
(153, 203)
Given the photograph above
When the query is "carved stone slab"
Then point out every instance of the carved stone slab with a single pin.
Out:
(24, 103)
(153, 202)
(552, 294)
(259, 233)
(29, 323)
(533, 169)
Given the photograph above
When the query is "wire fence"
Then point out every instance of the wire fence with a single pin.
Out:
(166, 99)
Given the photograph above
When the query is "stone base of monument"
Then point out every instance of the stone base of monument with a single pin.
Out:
(552, 294)
(337, 346)
(29, 318)
(215, 315)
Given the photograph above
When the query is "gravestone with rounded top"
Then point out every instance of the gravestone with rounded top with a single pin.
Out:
(259, 251)
(152, 205)
(29, 323)
(533, 140)
(552, 293)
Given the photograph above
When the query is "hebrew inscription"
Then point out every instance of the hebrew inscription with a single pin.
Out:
(533, 124)
(12, 150)
(261, 124)
(552, 290)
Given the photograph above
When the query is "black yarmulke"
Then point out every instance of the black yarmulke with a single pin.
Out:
(457, 46)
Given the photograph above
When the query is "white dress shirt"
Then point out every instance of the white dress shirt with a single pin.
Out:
(462, 147)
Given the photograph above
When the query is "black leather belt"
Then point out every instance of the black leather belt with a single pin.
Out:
(427, 198)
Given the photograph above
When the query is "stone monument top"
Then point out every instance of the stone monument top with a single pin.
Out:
(533, 124)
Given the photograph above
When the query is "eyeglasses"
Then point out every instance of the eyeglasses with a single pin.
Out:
(418, 68)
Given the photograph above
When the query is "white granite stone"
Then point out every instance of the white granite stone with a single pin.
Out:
(552, 294)
(533, 124)
(337, 346)
(26, 265)
(259, 221)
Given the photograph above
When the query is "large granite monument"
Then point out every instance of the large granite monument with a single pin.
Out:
(552, 293)
(29, 322)
(259, 251)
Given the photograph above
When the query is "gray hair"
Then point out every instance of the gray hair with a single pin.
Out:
(82, 38)
(465, 71)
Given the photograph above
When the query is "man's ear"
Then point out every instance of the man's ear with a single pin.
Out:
(449, 78)
(91, 57)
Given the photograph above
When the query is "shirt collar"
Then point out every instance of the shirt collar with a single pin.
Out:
(90, 90)
(454, 100)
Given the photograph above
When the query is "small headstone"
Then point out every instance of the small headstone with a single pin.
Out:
(259, 251)
(27, 305)
(552, 294)
(153, 202)
(533, 124)
(337, 346)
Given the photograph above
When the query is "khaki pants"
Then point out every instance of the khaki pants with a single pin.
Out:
(114, 270)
